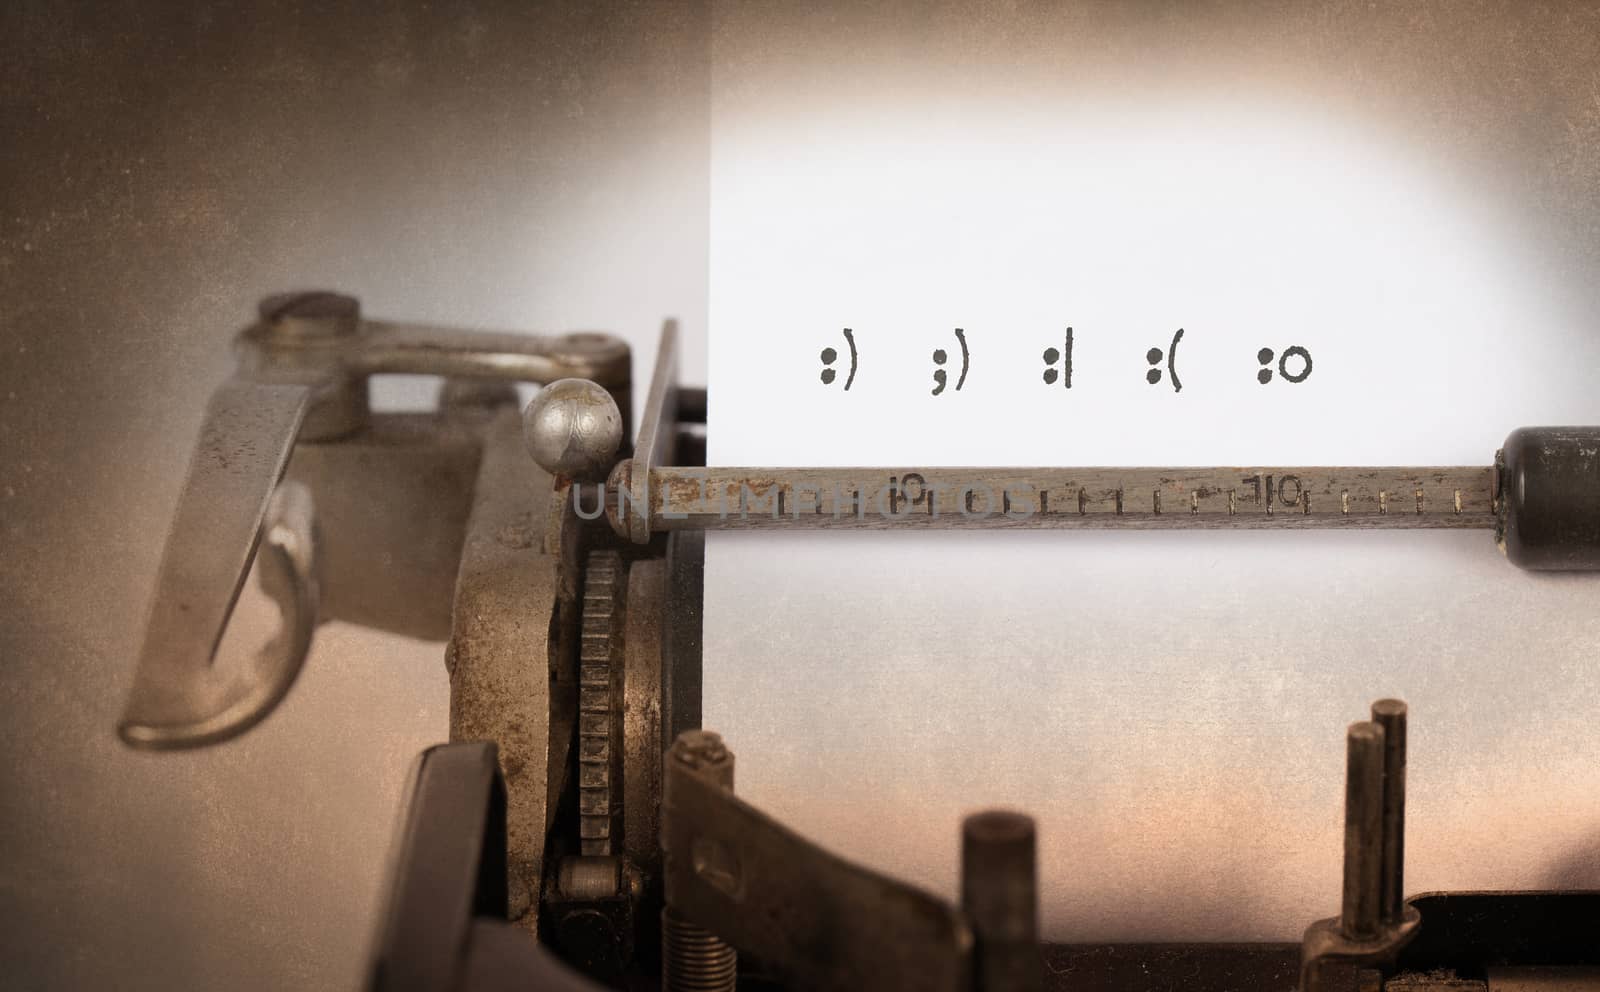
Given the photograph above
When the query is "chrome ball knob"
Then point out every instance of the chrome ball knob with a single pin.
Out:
(573, 428)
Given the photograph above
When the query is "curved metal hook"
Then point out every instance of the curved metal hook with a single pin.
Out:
(230, 501)
(224, 708)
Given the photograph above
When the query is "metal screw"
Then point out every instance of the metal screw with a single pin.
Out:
(309, 316)
(693, 959)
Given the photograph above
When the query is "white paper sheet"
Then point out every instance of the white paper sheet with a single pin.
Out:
(1171, 706)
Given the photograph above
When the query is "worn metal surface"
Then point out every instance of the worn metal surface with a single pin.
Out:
(304, 362)
(178, 699)
(1000, 897)
(641, 714)
(505, 681)
(1327, 951)
(1363, 832)
(694, 955)
(298, 338)
(658, 431)
(816, 920)
(1142, 498)
(1391, 715)
(573, 428)
(392, 502)
(600, 752)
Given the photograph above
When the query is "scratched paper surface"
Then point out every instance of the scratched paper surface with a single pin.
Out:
(1144, 270)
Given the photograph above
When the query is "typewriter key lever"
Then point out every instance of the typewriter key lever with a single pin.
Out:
(302, 376)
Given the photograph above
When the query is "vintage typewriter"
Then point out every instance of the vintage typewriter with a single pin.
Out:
(582, 829)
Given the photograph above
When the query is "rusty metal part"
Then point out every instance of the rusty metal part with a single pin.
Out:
(320, 340)
(1000, 896)
(605, 900)
(717, 498)
(1368, 932)
(817, 921)
(589, 877)
(693, 958)
(658, 431)
(599, 704)
(641, 714)
(508, 683)
(302, 374)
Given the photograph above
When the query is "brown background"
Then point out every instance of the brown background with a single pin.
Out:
(539, 166)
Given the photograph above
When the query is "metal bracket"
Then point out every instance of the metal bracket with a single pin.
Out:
(819, 922)
(303, 371)
(631, 514)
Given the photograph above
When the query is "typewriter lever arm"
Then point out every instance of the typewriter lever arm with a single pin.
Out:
(230, 502)
(302, 376)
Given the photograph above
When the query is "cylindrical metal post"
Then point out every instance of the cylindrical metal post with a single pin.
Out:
(1363, 831)
(1390, 714)
(1000, 896)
